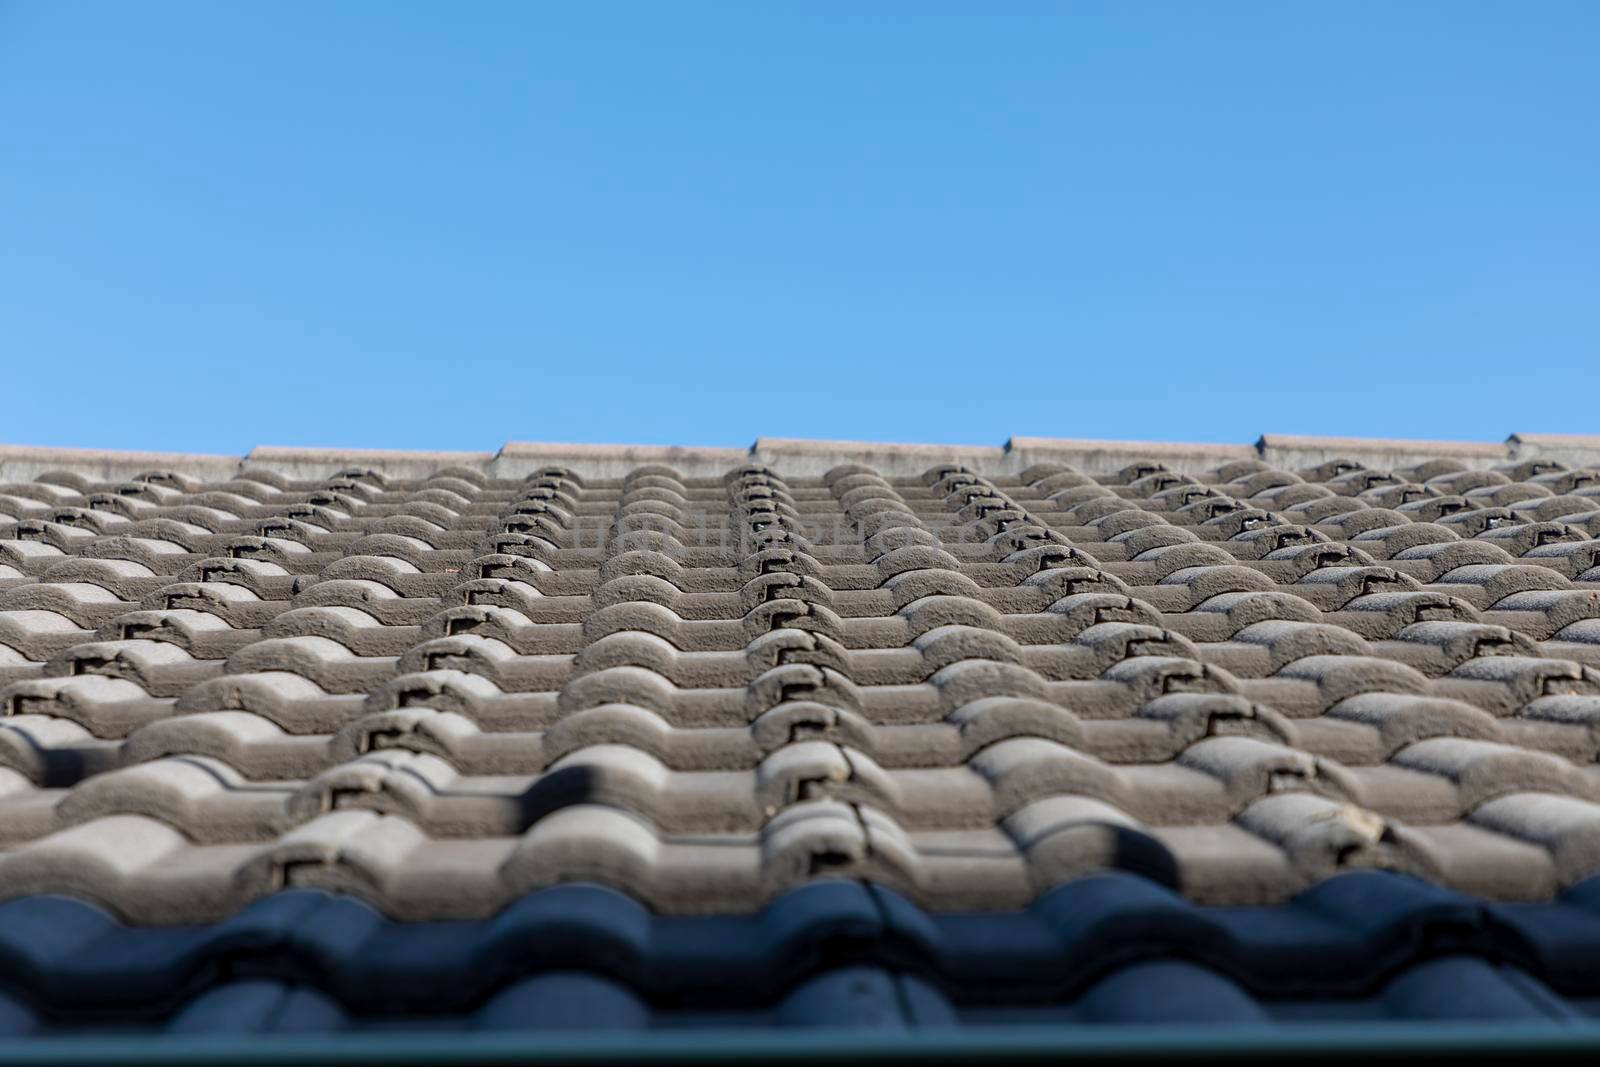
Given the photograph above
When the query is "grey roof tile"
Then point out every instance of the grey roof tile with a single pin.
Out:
(438, 682)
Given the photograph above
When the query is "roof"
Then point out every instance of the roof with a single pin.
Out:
(1058, 734)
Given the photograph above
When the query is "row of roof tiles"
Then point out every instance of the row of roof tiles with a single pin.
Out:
(1103, 949)
(804, 458)
(1020, 633)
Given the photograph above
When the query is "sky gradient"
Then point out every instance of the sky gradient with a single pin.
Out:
(448, 226)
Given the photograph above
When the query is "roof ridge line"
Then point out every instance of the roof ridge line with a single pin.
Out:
(801, 456)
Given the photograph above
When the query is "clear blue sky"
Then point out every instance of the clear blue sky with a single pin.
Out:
(450, 225)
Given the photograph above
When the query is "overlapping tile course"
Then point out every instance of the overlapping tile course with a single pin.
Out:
(441, 683)
(1106, 949)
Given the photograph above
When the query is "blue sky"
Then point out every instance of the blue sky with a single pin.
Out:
(450, 225)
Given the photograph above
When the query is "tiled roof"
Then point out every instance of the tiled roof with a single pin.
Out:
(1055, 731)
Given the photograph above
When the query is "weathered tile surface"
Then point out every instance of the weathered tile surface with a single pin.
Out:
(438, 683)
